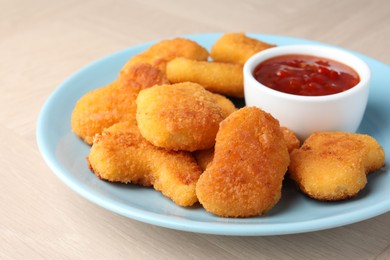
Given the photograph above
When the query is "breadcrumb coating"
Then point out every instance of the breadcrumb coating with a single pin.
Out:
(333, 165)
(250, 161)
(121, 154)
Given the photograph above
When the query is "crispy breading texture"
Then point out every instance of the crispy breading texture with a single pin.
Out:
(333, 165)
(225, 104)
(250, 161)
(204, 157)
(101, 108)
(121, 154)
(105, 106)
(217, 77)
(291, 139)
(162, 52)
(182, 116)
(236, 48)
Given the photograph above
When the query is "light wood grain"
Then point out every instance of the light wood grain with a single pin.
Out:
(42, 42)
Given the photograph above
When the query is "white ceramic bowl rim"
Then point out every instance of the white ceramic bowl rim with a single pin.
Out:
(332, 53)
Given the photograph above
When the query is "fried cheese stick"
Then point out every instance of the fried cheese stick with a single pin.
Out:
(217, 77)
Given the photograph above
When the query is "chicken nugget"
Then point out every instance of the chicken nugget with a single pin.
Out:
(101, 108)
(162, 52)
(105, 106)
(333, 165)
(121, 154)
(217, 77)
(236, 48)
(250, 161)
(182, 116)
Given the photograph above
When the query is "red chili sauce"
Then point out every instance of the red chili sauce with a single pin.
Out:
(305, 75)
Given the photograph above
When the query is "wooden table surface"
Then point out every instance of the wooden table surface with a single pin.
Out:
(43, 42)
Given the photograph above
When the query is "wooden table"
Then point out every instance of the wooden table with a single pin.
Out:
(42, 42)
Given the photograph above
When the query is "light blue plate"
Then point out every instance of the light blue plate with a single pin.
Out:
(295, 213)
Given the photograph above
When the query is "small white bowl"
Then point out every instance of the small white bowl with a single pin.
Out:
(307, 114)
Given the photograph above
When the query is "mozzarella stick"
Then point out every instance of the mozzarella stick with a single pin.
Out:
(217, 77)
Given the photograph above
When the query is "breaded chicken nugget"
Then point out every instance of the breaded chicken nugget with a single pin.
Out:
(236, 48)
(250, 161)
(162, 52)
(333, 165)
(182, 116)
(101, 108)
(121, 154)
(217, 77)
(105, 106)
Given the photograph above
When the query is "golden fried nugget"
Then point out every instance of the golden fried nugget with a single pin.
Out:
(250, 161)
(291, 139)
(105, 106)
(101, 108)
(182, 116)
(121, 154)
(236, 48)
(333, 165)
(162, 52)
(217, 77)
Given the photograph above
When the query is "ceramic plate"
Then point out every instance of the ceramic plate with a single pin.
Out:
(295, 213)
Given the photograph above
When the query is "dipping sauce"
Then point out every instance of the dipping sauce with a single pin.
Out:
(305, 75)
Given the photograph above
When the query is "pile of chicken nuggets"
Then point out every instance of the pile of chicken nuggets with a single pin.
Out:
(167, 122)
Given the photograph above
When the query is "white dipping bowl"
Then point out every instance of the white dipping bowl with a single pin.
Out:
(306, 114)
